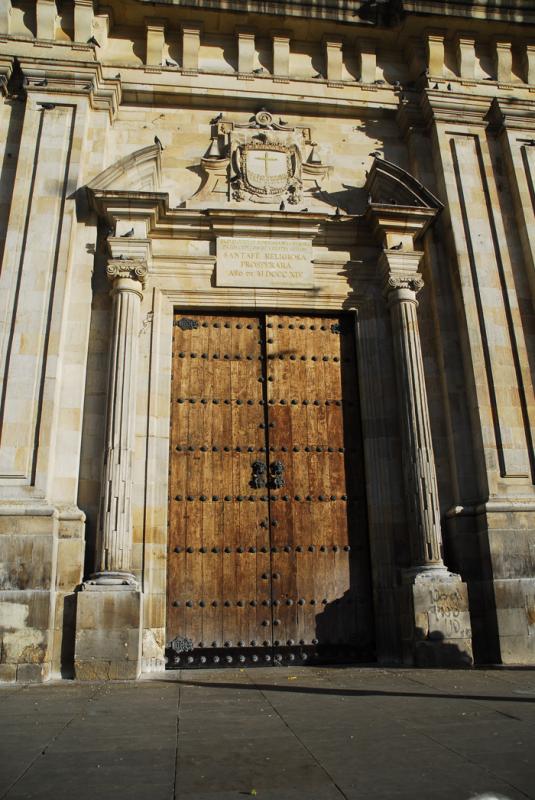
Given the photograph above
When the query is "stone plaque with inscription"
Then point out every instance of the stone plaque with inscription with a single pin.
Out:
(264, 263)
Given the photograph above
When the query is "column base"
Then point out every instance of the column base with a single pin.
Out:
(436, 629)
(108, 632)
(116, 580)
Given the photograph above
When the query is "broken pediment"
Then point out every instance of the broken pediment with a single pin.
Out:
(262, 162)
(141, 171)
(390, 185)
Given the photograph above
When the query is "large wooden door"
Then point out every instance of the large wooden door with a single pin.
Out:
(268, 554)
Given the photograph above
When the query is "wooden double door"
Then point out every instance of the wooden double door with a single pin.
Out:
(268, 549)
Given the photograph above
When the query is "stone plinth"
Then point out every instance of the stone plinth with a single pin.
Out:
(435, 619)
(108, 633)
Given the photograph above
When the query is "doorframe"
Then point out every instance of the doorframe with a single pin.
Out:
(382, 454)
(261, 315)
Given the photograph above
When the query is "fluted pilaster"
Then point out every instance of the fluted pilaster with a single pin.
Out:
(114, 543)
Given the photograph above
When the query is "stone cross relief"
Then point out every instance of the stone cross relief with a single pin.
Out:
(259, 162)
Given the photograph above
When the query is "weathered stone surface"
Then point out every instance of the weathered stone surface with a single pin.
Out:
(437, 629)
(413, 149)
(108, 634)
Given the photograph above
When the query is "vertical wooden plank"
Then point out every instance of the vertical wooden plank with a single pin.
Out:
(319, 473)
(336, 625)
(218, 483)
(279, 349)
(211, 533)
(215, 436)
(177, 472)
(193, 346)
(302, 516)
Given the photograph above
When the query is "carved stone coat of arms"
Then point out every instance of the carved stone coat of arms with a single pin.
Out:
(266, 171)
(260, 161)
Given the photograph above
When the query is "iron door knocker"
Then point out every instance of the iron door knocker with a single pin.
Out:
(259, 478)
(276, 469)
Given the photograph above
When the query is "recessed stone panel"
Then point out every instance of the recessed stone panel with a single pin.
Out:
(264, 263)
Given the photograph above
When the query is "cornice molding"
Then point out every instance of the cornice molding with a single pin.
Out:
(519, 11)
(150, 211)
(511, 113)
(400, 207)
(67, 79)
(354, 12)
(381, 12)
(249, 222)
(454, 107)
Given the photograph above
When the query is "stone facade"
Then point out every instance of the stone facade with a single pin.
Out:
(402, 140)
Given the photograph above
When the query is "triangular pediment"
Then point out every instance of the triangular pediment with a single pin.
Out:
(139, 172)
(390, 185)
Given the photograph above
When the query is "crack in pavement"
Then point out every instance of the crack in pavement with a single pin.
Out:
(301, 742)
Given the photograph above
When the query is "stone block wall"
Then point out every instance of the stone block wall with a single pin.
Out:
(28, 553)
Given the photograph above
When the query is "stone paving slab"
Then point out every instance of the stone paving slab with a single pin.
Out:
(284, 734)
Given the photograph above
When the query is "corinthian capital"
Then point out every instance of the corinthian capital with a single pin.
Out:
(132, 269)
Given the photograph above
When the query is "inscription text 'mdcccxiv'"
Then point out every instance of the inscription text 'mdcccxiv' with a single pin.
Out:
(264, 263)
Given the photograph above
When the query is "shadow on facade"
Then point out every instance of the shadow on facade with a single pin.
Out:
(346, 624)
(433, 651)
(11, 153)
(68, 635)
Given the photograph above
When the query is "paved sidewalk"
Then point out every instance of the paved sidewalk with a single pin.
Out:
(290, 734)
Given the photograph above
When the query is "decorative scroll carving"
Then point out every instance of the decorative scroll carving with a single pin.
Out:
(127, 269)
(412, 282)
